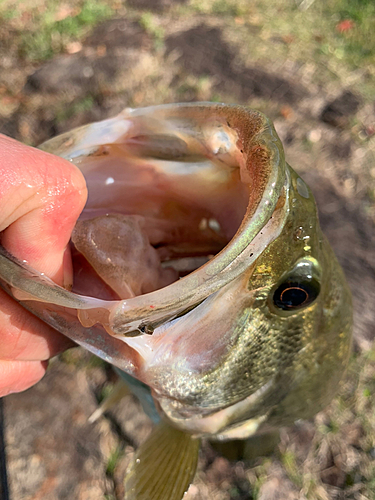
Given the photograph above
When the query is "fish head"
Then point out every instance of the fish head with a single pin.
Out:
(266, 349)
(200, 269)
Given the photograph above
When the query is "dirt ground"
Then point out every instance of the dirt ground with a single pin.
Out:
(144, 52)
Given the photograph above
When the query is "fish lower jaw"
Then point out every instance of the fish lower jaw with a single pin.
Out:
(229, 423)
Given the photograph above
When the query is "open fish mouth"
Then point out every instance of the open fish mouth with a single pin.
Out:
(182, 201)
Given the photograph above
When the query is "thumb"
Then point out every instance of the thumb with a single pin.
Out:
(41, 197)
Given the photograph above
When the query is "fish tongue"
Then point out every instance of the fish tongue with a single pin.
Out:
(119, 250)
(163, 467)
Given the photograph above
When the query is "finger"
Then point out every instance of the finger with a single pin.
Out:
(24, 336)
(41, 197)
(17, 376)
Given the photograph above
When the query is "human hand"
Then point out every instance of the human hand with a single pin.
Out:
(41, 197)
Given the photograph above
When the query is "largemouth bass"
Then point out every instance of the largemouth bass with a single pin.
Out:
(201, 272)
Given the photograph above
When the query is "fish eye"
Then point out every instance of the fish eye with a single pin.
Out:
(291, 295)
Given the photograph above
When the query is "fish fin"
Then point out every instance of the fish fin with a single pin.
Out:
(163, 466)
(119, 391)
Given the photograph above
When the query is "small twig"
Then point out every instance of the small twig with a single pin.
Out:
(4, 490)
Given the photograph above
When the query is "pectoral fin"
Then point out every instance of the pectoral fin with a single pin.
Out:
(163, 467)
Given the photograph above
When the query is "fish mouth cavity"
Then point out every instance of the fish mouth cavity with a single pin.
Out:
(199, 181)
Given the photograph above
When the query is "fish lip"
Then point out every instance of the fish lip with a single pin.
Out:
(264, 160)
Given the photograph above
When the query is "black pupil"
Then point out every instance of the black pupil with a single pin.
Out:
(292, 295)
